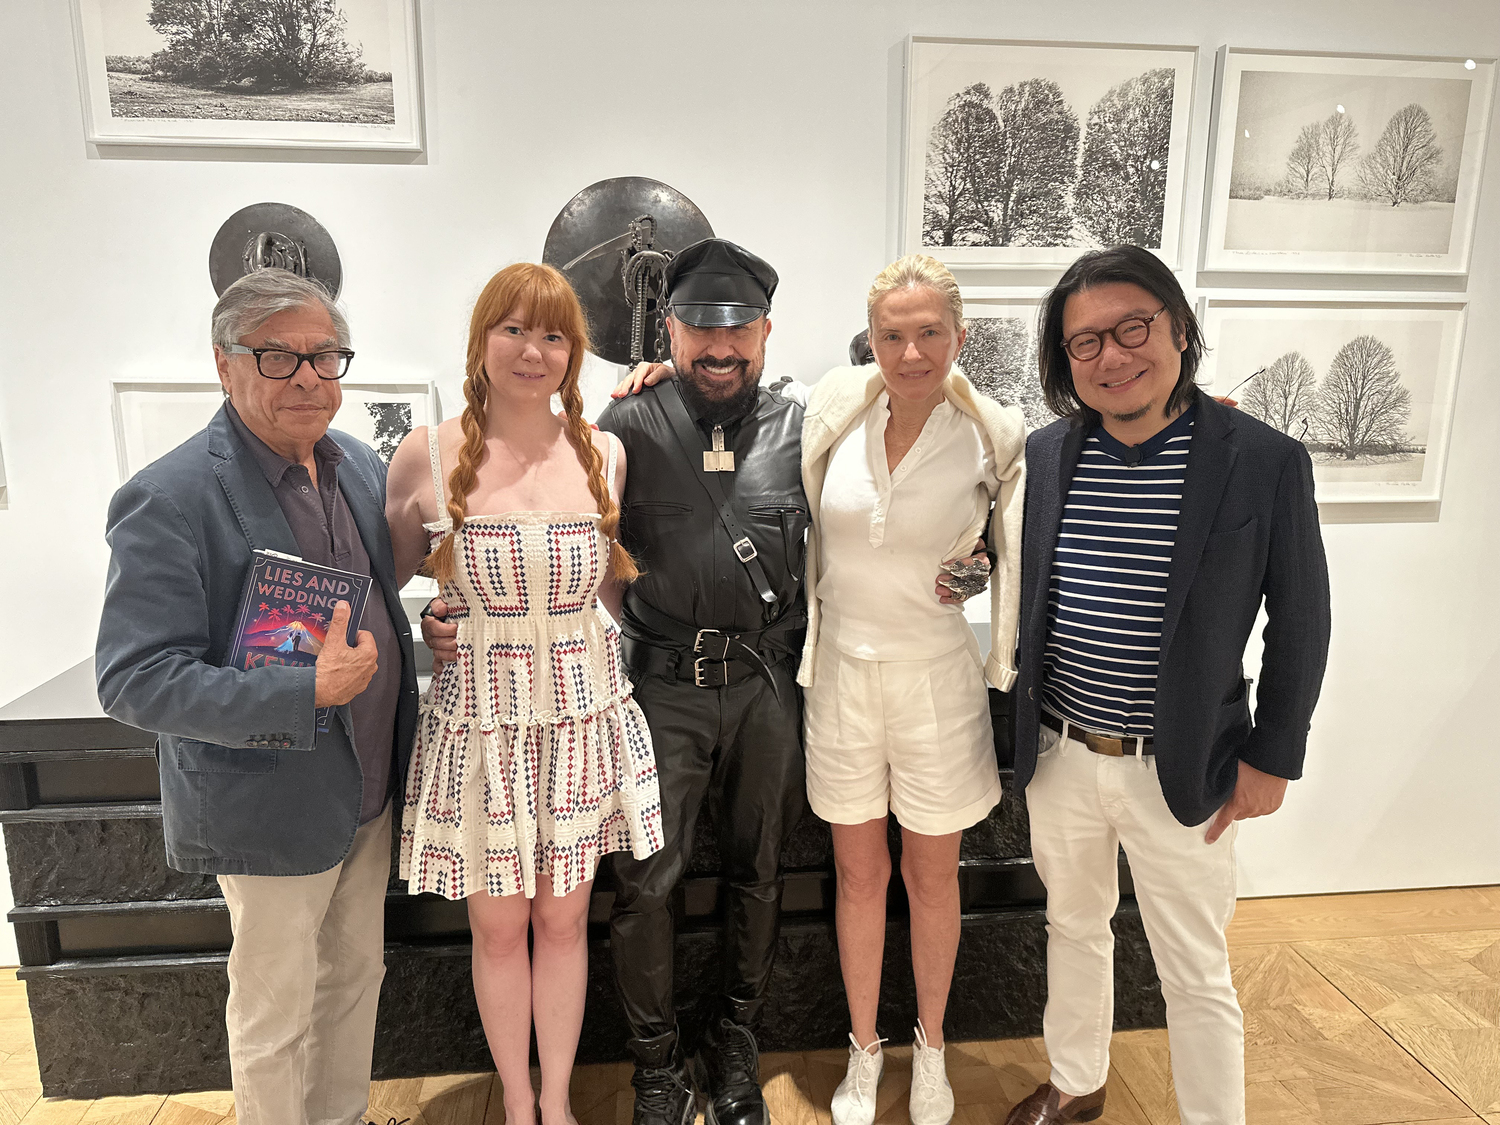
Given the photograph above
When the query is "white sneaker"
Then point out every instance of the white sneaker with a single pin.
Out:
(854, 1100)
(931, 1095)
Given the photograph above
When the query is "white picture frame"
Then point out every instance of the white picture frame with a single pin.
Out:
(1334, 163)
(128, 99)
(153, 418)
(1046, 81)
(1394, 448)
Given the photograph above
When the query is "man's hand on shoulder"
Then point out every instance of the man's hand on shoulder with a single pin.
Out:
(643, 375)
(1255, 794)
(344, 672)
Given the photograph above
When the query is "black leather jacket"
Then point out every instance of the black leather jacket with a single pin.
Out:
(671, 525)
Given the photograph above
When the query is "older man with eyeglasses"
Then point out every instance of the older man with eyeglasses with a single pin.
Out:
(293, 815)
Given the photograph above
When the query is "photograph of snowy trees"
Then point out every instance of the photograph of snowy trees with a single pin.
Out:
(1335, 163)
(1025, 153)
(1367, 388)
(1000, 354)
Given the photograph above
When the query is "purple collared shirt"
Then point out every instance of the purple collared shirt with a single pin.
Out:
(324, 529)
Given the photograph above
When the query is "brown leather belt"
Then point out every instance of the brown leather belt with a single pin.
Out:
(1098, 743)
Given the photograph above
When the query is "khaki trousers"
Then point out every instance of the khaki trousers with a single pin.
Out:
(304, 983)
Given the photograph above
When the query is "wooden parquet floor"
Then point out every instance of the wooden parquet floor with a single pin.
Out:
(1370, 1009)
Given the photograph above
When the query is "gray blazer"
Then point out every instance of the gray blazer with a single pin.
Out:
(1248, 531)
(248, 786)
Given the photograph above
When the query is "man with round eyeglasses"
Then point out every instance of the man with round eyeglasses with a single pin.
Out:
(1158, 521)
(292, 814)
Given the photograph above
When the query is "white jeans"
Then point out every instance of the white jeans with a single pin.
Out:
(304, 983)
(1083, 807)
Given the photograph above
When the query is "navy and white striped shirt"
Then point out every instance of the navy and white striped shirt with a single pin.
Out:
(1109, 581)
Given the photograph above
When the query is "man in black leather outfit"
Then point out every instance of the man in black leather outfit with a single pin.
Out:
(711, 630)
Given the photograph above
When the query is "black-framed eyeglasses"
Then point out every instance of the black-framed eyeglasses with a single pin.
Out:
(278, 363)
(1130, 334)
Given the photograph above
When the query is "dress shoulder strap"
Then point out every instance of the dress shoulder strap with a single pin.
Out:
(614, 456)
(437, 470)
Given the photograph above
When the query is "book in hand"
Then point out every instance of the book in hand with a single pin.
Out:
(286, 609)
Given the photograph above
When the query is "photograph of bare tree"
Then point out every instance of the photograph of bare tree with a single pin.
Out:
(1346, 164)
(1027, 153)
(999, 354)
(284, 71)
(1367, 386)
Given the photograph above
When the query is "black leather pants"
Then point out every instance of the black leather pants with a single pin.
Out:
(742, 750)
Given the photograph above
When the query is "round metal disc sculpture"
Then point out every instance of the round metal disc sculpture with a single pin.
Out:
(273, 235)
(613, 242)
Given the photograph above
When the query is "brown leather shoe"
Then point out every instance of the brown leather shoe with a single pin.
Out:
(1040, 1107)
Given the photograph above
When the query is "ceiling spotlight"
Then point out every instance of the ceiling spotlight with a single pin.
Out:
(1247, 132)
(1468, 64)
(1341, 109)
(1156, 165)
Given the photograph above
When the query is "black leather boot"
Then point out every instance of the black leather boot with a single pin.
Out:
(663, 1087)
(731, 1065)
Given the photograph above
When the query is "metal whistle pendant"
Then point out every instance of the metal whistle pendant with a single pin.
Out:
(718, 459)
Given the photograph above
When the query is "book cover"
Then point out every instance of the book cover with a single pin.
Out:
(286, 608)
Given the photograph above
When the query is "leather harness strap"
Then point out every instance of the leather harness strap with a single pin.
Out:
(692, 447)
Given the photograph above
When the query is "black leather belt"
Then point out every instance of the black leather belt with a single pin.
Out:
(1098, 743)
(702, 656)
(680, 664)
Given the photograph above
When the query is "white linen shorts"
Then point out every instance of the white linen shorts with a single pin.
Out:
(910, 737)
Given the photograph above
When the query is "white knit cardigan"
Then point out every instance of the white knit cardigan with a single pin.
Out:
(833, 407)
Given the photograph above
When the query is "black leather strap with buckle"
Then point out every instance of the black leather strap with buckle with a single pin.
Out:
(708, 657)
(692, 446)
(680, 664)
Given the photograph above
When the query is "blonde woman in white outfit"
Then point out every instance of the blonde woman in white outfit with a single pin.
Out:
(904, 465)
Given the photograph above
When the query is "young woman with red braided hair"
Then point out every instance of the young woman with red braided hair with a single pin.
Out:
(531, 759)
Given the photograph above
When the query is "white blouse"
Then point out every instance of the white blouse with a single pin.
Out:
(882, 535)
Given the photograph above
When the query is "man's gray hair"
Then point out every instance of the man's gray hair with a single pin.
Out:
(258, 296)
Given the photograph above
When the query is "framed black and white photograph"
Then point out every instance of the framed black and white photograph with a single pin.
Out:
(1346, 164)
(1366, 385)
(290, 74)
(153, 418)
(1027, 154)
(999, 355)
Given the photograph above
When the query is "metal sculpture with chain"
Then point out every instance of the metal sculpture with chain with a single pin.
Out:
(613, 242)
(273, 236)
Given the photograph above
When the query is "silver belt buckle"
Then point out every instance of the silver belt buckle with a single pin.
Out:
(699, 672)
(711, 645)
(745, 550)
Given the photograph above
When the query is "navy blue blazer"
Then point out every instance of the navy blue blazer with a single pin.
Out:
(1248, 530)
(248, 785)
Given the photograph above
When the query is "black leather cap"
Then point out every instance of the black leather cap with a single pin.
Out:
(716, 284)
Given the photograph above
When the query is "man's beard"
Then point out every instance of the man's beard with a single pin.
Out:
(1133, 415)
(720, 407)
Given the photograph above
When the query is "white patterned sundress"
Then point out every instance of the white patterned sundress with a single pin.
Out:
(531, 756)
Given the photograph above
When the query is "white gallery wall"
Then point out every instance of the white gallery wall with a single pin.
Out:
(781, 121)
